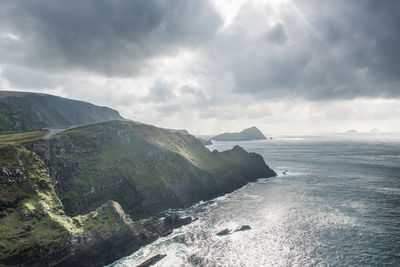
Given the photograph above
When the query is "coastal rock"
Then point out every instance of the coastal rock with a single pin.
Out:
(153, 260)
(156, 168)
(226, 231)
(93, 194)
(174, 221)
(33, 214)
(243, 228)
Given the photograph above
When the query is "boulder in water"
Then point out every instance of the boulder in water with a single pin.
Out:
(243, 228)
(153, 260)
(226, 231)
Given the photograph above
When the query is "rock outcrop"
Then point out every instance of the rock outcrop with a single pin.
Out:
(243, 228)
(226, 231)
(153, 260)
(34, 230)
(246, 135)
(93, 194)
(144, 168)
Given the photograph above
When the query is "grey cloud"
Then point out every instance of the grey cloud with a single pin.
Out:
(319, 51)
(277, 34)
(22, 78)
(108, 37)
(167, 110)
(159, 92)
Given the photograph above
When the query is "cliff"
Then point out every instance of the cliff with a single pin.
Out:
(144, 168)
(93, 194)
(246, 135)
(22, 111)
(34, 230)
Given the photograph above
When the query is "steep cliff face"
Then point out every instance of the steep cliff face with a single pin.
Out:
(34, 230)
(70, 200)
(144, 168)
(22, 111)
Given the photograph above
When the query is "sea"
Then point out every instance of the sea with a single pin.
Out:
(334, 202)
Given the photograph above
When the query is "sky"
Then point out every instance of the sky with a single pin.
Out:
(285, 66)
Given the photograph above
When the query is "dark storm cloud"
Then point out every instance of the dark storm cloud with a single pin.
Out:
(111, 37)
(319, 50)
(316, 50)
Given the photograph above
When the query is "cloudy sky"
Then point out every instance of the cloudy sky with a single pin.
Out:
(213, 66)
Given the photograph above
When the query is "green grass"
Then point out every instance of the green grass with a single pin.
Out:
(93, 160)
(22, 111)
(10, 138)
(117, 151)
(36, 220)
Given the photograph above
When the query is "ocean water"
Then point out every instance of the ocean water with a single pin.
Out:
(337, 205)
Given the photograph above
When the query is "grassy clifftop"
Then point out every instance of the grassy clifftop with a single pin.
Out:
(144, 168)
(13, 138)
(21, 111)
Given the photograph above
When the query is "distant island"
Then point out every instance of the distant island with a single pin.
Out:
(248, 134)
(352, 131)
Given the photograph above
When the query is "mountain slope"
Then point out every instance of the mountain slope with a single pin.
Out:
(22, 111)
(246, 135)
(144, 168)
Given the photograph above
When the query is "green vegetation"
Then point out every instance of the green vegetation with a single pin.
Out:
(8, 138)
(116, 159)
(93, 170)
(32, 219)
(21, 111)
(13, 119)
(246, 135)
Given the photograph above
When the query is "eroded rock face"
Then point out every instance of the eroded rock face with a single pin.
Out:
(157, 169)
(100, 251)
(34, 230)
(71, 200)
